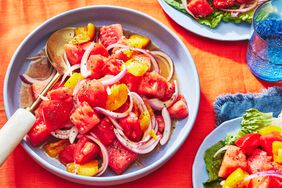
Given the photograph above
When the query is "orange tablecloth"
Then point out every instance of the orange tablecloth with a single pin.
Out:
(221, 65)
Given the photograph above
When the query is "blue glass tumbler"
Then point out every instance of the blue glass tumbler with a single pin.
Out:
(264, 55)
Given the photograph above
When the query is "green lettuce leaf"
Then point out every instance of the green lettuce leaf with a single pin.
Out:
(216, 16)
(213, 165)
(252, 121)
(213, 184)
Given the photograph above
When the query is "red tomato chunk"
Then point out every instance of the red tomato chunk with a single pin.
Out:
(200, 8)
(38, 133)
(131, 127)
(67, 155)
(85, 150)
(179, 109)
(248, 143)
(105, 132)
(154, 85)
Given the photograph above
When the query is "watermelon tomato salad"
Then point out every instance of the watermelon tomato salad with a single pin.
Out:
(117, 100)
(251, 158)
(212, 12)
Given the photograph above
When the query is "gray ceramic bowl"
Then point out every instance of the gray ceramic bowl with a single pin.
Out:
(133, 21)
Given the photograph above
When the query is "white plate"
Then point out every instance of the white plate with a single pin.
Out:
(224, 31)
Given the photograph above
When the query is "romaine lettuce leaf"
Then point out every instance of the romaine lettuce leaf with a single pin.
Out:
(213, 165)
(216, 16)
(252, 121)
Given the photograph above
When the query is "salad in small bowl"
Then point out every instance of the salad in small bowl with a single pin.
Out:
(211, 12)
(248, 158)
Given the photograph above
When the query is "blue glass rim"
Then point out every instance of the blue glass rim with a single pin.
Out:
(253, 24)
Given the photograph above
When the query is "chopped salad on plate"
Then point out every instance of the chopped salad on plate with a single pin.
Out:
(118, 99)
(250, 158)
(211, 12)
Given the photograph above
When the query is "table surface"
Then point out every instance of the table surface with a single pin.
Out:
(221, 66)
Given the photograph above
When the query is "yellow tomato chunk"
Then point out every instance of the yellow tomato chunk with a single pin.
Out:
(117, 97)
(83, 34)
(73, 80)
(270, 129)
(235, 179)
(145, 120)
(88, 169)
(136, 67)
(138, 41)
(53, 149)
(277, 151)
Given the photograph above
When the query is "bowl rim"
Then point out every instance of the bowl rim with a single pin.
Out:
(124, 177)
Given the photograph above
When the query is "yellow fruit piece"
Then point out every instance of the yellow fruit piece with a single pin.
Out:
(136, 67)
(152, 134)
(277, 151)
(53, 149)
(145, 120)
(270, 129)
(83, 34)
(88, 169)
(72, 168)
(235, 179)
(138, 41)
(118, 96)
(73, 80)
(149, 108)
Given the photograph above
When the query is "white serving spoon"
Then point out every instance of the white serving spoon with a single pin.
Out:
(22, 120)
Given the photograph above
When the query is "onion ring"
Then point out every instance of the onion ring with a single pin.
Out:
(104, 152)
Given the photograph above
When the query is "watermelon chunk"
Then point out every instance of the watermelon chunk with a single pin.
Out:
(105, 132)
(259, 161)
(234, 158)
(120, 158)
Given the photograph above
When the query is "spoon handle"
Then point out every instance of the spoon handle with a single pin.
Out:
(13, 132)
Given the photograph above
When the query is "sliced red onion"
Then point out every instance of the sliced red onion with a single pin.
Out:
(83, 68)
(116, 78)
(157, 104)
(184, 3)
(77, 87)
(29, 80)
(69, 72)
(137, 147)
(220, 150)
(167, 128)
(242, 10)
(73, 134)
(116, 114)
(61, 134)
(273, 173)
(142, 107)
(236, 14)
(146, 52)
(104, 152)
(155, 125)
(168, 60)
(115, 123)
